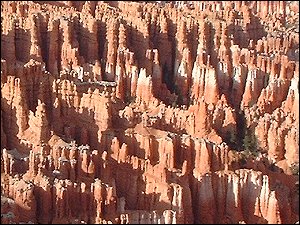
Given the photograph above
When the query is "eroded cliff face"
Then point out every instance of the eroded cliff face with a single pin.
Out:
(132, 112)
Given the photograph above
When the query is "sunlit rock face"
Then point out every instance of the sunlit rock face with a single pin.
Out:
(149, 112)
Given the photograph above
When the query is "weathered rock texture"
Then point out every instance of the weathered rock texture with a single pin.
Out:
(135, 112)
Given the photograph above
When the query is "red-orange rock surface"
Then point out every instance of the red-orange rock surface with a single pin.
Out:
(149, 112)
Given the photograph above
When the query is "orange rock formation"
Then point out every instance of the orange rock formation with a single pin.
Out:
(146, 112)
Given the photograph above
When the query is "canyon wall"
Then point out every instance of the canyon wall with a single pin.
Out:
(147, 112)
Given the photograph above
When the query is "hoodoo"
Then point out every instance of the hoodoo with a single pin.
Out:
(152, 112)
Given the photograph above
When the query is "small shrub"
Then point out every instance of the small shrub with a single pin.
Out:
(249, 141)
(231, 139)
(295, 168)
(130, 99)
(250, 144)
